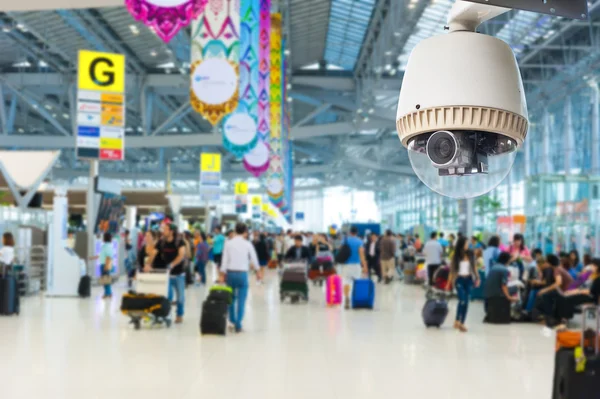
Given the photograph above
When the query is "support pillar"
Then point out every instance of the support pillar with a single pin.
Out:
(546, 144)
(90, 210)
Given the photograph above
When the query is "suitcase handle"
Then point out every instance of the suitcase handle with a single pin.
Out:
(586, 310)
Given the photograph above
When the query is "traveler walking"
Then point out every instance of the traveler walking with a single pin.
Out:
(238, 256)
(106, 265)
(262, 251)
(201, 254)
(463, 275)
(434, 253)
(218, 244)
(171, 250)
(373, 255)
(351, 269)
(388, 256)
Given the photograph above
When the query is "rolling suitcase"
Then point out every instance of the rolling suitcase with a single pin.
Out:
(435, 312)
(221, 293)
(294, 275)
(85, 287)
(577, 361)
(9, 298)
(363, 294)
(214, 317)
(334, 290)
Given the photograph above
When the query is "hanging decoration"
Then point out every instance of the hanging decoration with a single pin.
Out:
(215, 60)
(240, 129)
(165, 17)
(264, 82)
(275, 177)
(257, 161)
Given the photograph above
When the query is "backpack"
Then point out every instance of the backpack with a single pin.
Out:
(344, 253)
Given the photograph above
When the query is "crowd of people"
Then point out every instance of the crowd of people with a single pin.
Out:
(517, 283)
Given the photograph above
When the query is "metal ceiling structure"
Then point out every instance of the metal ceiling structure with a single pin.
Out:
(347, 59)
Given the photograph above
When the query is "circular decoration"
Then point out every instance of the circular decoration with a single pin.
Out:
(240, 133)
(275, 187)
(165, 17)
(257, 160)
(214, 81)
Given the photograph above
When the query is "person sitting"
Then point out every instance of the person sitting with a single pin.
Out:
(298, 253)
(544, 278)
(589, 294)
(497, 297)
(548, 297)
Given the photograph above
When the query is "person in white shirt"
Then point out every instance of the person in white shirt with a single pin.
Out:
(7, 252)
(239, 256)
(434, 252)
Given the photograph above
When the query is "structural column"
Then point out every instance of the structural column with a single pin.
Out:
(546, 144)
(90, 211)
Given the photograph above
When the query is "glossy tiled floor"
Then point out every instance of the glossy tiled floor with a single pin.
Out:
(73, 349)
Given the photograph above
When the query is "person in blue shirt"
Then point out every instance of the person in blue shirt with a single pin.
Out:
(576, 265)
(218, 245)
(443, 242)
(475, 244)
(491, 253)
(106, 266)
(356, 263)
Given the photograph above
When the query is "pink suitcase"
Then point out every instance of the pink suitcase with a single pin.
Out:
(334, 290)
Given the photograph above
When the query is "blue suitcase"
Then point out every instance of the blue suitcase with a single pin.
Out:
(363, 294)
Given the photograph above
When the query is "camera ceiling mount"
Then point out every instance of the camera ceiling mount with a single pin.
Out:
(575, 9)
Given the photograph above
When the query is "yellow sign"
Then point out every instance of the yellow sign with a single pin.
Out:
(210, 162)
(257, 200)
(101, 71)
(112, 119)
(241, 188)
(114, 144)
(265, 208)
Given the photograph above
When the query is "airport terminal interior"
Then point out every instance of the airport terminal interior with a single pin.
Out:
(267, 199)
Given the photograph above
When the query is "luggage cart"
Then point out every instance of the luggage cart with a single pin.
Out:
(294, 282)
(155, 285)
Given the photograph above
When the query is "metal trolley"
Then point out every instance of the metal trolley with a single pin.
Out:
(294, 282)
(154, 283)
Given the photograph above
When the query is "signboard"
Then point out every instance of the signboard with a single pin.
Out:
(101, 106)
(256, 207)
(241, 197)
(299, 216)
(576, 9)
(210, 177)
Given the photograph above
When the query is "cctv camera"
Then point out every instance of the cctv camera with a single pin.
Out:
(462, 112)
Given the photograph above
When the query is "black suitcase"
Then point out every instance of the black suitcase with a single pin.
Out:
(435, 312)
(214, 317)
(571, 382)
(9, 298)
(220, 294)
(85, 287)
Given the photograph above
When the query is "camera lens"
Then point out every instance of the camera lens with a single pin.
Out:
(441, 147)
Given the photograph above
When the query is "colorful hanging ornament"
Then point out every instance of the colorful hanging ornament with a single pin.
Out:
(240, 132)
(275, 175)
(165, 17)
(215, 60)
(264, 68)
(257, 161)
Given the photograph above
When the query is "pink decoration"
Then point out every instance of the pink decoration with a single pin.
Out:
(165, 21)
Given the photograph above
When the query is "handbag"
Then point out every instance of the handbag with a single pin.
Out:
(105, 279)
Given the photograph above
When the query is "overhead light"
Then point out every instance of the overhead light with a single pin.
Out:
(54, 115)
(389, 52)
(6, 29)
(42, 64)
(134, 29)
(287, 52)
(290, 99)
(359, 111)
(48, 106)
(139, 129)
(153, 53)
(393, 71)
(289, 86)
(22, 64)
(411, 5)
(166, 65)
(397, 34)
(366, 119)
(21, 27)
(129, 129)
(66, 116)
(371, 110)
(388, 67)
(35, 106)
(20, 130)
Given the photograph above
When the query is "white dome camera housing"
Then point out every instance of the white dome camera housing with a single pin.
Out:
(462, 112)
